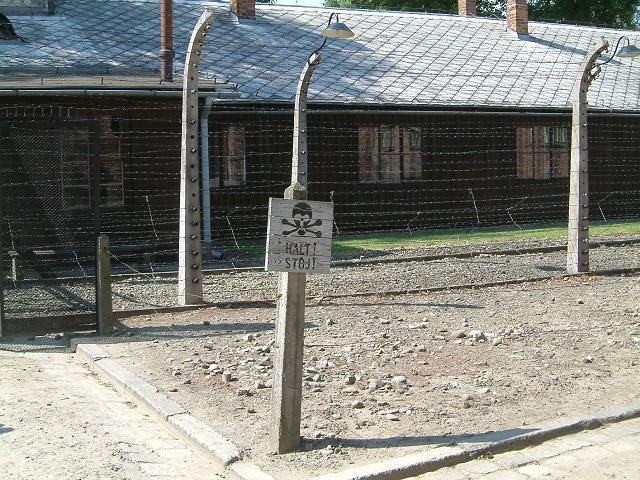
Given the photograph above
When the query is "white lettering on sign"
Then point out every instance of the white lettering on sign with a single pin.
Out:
(299, 236)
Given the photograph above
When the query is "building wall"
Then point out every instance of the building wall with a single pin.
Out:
(452, 170)
(73, 167)
(474, 170)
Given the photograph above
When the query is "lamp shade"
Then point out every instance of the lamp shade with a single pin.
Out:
(337, 30)
(629, 51)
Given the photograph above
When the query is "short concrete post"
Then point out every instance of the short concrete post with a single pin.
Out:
(578, 229)
(104, 309)
(17, 272)
(286, 403)
(1, 274)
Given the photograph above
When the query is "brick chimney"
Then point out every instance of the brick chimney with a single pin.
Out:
(518, 16)
(244, 8)
(467, 7)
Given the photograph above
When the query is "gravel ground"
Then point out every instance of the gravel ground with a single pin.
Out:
(386, 375)
(34, 299)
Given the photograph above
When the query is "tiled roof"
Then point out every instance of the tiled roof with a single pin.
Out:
(414, 59)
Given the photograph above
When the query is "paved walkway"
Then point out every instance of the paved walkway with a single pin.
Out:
(58, 421)
(611, 452)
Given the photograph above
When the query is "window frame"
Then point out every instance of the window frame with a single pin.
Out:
(390, 154)
(542, 152)
(226, 142)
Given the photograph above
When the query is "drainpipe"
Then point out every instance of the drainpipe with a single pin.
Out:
(166, 41)
(204, 172)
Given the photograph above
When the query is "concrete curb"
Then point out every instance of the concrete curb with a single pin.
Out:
(447, 456)
(211, 443)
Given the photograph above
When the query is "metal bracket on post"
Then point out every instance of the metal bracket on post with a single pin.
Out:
(286, 400)
(190, 241)
(578, 228)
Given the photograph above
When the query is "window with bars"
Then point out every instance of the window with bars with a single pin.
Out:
(74, 150)
(75, 154)
(390, 154)
(229, 164)
(542, 152)
(111, 165)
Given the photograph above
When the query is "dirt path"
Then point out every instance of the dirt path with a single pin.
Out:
(388, 375)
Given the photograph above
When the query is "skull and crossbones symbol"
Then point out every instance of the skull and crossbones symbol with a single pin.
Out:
(302, 221)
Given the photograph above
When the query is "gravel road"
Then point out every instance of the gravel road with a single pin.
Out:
(32, 299)
(386, 375)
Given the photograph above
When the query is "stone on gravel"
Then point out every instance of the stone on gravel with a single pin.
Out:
(350, 379)
(226, 377)
(357, 404)
(476, 335)
(399, 382)
(415, 326)
(375, 384)
(458, 334)
(497, 341)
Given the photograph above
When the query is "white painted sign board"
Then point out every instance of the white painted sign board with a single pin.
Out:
(299, 236)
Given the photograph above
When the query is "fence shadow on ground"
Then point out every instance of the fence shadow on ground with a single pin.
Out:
(31, 344)
(328, 301)
(5, 429)
(196, 331)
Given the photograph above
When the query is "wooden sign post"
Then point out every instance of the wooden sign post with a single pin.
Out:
(298, 242)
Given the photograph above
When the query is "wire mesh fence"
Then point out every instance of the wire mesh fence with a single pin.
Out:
(88, 146)
(72, 171)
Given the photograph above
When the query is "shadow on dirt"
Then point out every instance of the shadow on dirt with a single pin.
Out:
(5, 429)
(195, 330)
(328, 301)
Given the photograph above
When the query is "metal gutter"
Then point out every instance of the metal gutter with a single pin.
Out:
(391, 112)
(364, 108)
(482, 113)
(111, 92)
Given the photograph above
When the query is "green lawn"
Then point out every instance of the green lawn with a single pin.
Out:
(473, 235)
(345, 244)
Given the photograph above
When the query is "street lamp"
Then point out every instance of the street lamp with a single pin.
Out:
(298, 188)
(286, 397)
(578, 232)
